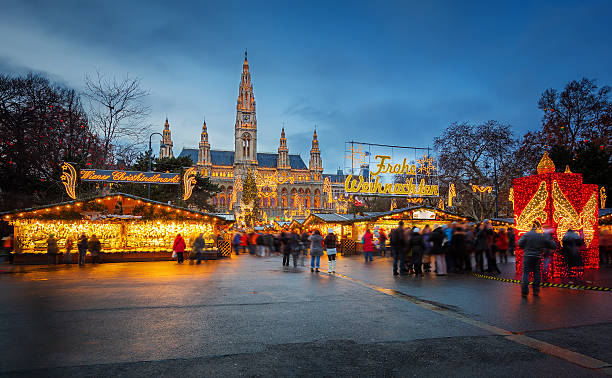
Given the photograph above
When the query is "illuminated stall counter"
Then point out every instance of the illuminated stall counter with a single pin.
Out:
(130, 228)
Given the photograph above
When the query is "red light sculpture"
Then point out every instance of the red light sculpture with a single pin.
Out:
(559, 201)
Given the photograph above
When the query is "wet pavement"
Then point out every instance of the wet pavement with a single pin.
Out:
(249, 316)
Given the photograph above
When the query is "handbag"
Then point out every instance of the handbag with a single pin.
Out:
(173, 254)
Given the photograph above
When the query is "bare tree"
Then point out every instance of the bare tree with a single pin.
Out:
(118, 113)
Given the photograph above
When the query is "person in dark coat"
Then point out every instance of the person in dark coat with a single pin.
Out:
(286, 247)
(437, 239)
(197, 249)
(95, 247)
(571, 248)
(82, 247)
(330, 246)
(396, 239)
(533, 243)
(417, 246)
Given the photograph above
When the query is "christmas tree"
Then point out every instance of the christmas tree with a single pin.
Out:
(249, 203)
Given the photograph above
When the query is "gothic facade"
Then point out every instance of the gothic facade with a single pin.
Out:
(287, 187)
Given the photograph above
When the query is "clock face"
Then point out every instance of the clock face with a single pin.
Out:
(246, 117)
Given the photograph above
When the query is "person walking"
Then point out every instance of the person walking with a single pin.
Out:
(501, 242)
(316, 250)
(417, 246)
(198, 249)
(533, 243)
(236, 243)
(437, 238)
(52, 250)
(304, 242)
(511, 241)
(179, 248)
(396, 239)
(571, 249)
(69, 246)
(330, 245)
(368, 245)
(382, 242)
(286, 246)
(95, 247)
(82, 247)
(243, 242)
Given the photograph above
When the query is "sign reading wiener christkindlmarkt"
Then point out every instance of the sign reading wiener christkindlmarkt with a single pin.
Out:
(132, 177)
(377, 169)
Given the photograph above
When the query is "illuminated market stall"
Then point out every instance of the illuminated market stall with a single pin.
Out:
(130, 228)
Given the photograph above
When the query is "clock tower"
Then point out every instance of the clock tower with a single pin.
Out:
(245, 130)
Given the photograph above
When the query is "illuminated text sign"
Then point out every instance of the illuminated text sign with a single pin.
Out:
(130, 177)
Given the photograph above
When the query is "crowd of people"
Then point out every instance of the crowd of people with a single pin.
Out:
(457, 248)
(84, 245)
(294, 246)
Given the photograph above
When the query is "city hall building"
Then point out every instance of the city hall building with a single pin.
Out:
(287, 186)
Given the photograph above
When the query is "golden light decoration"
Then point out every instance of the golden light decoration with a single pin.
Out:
(481, 189)
(69, 178)
(451, 194)
(237, 187)
(511, 196)
(546, 165)
(534, 209)
(426, 165)
(567, 169)
(568, 218)
(189, 182)
(602, 197)
(357, 156)
(393, 204)
(328, 189)
(441, 204)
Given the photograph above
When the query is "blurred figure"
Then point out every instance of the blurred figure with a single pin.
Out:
(69, 245)
(368, 245)
(52, 250)
(295, 247)
(605, 246)
(95, 247)
(511, 241)
(82, 247)
(286, 246)
(396, 239)
(501, 242)
(236, 242)
(382, 242)
(260, 243)
(547, 255)
(533, 243)
(304, 245)
(438, 239)
(571, 249)
(417, 245)
(179, 248)
(197, 249)
(428, 245)
(316, 250)
(330, 246)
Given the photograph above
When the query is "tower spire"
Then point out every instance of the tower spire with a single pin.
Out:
(166, 149)
(315, 165)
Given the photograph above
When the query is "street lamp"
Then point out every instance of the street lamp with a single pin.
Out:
(161, 145)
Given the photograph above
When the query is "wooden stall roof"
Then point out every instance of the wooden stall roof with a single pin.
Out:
(7, 215)
(331, 218)
(450, 215)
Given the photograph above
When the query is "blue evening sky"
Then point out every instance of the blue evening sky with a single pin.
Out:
(383, 72)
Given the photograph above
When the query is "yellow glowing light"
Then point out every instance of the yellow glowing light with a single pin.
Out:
(69, 178)
(534, 209)
(481, 189)
(602, 197)
(451, 194)
(511, 196)
(567, 218)
(546, 165)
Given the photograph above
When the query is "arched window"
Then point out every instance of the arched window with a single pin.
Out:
(294, 198)
(284, 198)
(317, 198)
(222, 199)
(246, 145)
(307, 199)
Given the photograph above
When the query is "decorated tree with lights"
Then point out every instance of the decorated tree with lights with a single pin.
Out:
(249, 203)
(41, 125)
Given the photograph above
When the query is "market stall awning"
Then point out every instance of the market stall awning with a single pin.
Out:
(416, 213)
(83, 206)
(605, 216)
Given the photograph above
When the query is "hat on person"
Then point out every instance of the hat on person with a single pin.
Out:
(330, 230)
(416, 229)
